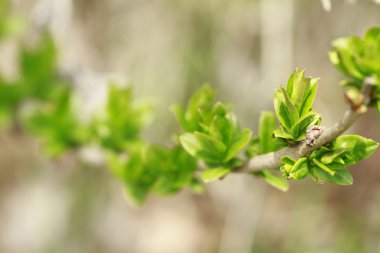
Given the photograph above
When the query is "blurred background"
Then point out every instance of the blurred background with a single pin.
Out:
(166, 49)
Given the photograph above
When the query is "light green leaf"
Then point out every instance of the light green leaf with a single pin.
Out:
(334, 58)
(199, 106)
(302, 91)
(239, 143)
(285, 110)
(280, 133)
(298, 88)
(267, 126)
(332, 156)
(288, 165)
(210, 144)
(309, 99)
(300, 127)
(288, 160)
(221, 129)
(345, 48)
(373, 34)
(179, 113)
(213, 174)
(341, 177)
(300, 169)
(203, 147)
(190, 143)
(356, 148)
(324, 167)
(274, 180)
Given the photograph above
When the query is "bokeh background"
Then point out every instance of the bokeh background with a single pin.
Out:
(166, 49)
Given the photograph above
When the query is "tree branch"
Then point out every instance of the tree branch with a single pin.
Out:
(305, 148)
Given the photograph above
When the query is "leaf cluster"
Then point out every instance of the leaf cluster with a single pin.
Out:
(293, 107)
(211, 134)
(57, 124)
(152, 168)
(330, 162)
(358, 59)
(38, 80)
(142, 167)
(122, 120)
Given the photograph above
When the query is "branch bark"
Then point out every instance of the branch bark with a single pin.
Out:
(273, 160)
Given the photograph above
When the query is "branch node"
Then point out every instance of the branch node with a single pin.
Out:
(312, 134)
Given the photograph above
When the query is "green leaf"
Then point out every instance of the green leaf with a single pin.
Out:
(280, 133)
(179, 113)
(297, 88)
(302, 91)
(334, 58)
(356, 148)
(274, 180)
(324, 167)
(123, 119)
(373, 34)
(199, 106)
(240, 142)
(221, 128)
(212, 174)
(300, 169)
(288, 166)
(190, 143)
(332, 156)
(203, 146)
(288, 160)
(309, 99)
(57, 125)
(345, 48)
(341, 177)
(175, 168)
(285, 110)
(267, 126)
(300, 127)
(151, 168)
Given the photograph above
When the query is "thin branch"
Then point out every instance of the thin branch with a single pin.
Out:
(305, 148)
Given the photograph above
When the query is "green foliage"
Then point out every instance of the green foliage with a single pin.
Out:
(38, 70)
(56, 123)
(122, 120)
(212, 133)
(53, 118)
(273, 180)
(201, 101)
(210, 137)
(359, 59)
(10, 98)
(38, 80)
(293, 107)
(330, 162)
(214, 173)
(153, 168)
(264, 142)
